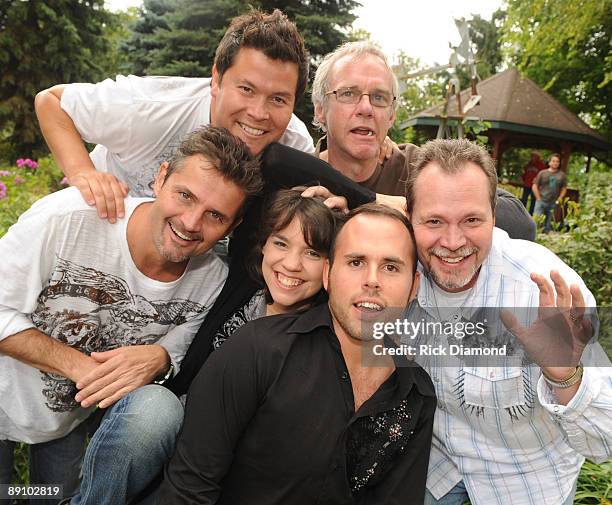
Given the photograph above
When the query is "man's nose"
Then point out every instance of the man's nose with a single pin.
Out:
(364, 106)
(258, 108)
(372, 280)
(453, 238)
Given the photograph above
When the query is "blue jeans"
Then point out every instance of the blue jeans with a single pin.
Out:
(458, 496)
(133, 440)
(547, 210)
(528, 192)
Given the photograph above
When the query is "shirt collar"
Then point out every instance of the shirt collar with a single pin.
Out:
(408, 374)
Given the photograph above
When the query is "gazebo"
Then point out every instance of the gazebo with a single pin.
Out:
(521, 114)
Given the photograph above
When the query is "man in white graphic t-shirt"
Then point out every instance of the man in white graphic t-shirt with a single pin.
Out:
(92, 313)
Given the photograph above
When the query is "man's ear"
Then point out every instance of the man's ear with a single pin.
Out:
(160, 178)
(214, 82)
(318, 114)
(326, 268)
(415, 286)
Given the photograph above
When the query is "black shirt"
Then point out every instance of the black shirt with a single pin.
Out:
(270, 419)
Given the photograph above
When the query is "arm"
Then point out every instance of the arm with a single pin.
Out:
(586, 419)
(38, 350)
(283, 167)
(559, 340)
(562, 194)
(535, 187)
(101, 189)
(221, 402)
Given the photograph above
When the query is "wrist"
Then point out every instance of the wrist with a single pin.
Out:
(562, 377)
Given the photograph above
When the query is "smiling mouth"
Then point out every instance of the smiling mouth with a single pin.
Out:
(368, 307)
(288, 282)
(181, 235)
(452, 260)
(256, 132)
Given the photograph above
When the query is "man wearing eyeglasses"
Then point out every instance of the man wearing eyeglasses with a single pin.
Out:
(355, 98)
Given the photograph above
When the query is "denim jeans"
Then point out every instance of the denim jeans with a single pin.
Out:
(458, 496)
(547, 210)
(133, 440)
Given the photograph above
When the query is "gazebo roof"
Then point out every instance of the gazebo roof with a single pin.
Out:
(512, 102)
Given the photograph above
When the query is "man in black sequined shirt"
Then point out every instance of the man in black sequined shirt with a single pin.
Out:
(285, 412)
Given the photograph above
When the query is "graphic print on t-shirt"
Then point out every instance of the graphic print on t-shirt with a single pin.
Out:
(91, 310)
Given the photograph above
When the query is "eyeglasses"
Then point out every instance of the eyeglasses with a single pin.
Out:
(353, 96)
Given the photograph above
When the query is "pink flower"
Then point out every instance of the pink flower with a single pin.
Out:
(4, 173)
(3, 190)
(64, 181)
(27, 162)
(18, 180)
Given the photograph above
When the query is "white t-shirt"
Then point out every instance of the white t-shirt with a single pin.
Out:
(138, 123)
(70, 274)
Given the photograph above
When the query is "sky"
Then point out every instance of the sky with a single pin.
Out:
(421, 28)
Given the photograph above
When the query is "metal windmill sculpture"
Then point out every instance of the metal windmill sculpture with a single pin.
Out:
(461, 55)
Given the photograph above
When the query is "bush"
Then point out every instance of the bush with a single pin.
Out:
(584, 241)
(21, 186)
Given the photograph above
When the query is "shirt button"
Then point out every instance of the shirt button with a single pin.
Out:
(492, 375)
(344, 376)
(456, 317)
(556, 409)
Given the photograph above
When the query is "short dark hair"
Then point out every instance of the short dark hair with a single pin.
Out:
(554, 155)
(378, 210)
(451, 155)
(228, 154)
(272, 34)
(318, 224)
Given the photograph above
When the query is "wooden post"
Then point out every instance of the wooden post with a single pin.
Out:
(566, 151)
(588, 165)
(498, 138)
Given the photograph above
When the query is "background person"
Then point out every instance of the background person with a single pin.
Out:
(530, 172)
(549, 188)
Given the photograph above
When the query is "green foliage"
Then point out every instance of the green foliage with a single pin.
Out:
(565, 48)
(586, 245)
(41, 44)
(594, 484)
(179, 37)
(24, 187)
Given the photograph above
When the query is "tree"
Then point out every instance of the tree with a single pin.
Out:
(179, 37)
(43, 43)
(565, 48)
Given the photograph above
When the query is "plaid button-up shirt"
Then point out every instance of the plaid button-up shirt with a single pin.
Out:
(499, 428)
